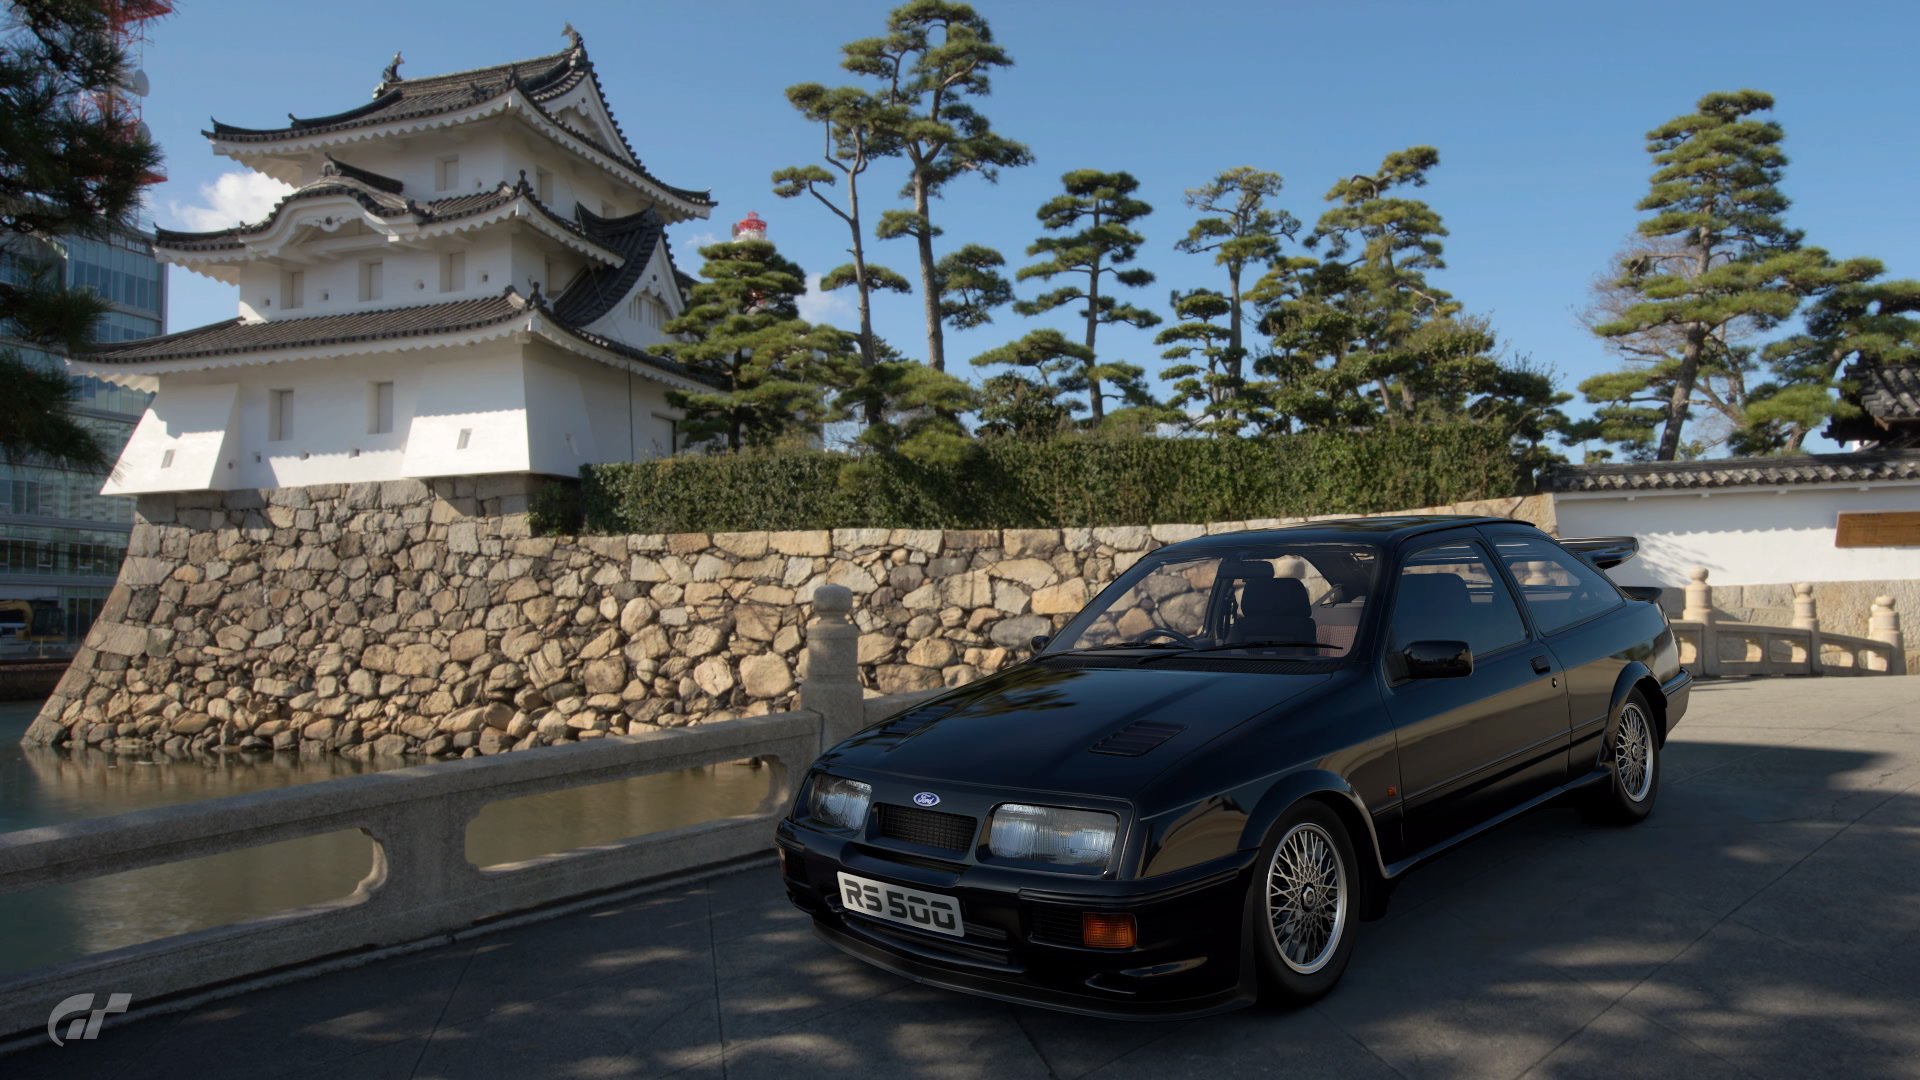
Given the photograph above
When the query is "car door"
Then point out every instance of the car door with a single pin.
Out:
(1576, 610)
(1471, 747)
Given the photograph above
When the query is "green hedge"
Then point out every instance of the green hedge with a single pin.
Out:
(1075, 481)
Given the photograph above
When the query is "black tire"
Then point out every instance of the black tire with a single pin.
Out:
(1628, 795)
(1309, 966)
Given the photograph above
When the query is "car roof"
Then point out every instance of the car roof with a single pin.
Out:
(1385, 531)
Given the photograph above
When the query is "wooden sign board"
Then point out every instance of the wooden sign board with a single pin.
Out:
(1878, 528)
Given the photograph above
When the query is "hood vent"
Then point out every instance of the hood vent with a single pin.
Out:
(1137, 738)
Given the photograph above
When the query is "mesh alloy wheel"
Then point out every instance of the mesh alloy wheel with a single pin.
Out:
(1307, 898)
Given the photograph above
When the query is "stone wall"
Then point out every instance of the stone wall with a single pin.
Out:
(408, 618)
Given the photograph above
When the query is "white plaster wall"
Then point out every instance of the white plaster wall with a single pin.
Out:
(195, 424)
(1744, 537)
(481, 391)
(630, 417)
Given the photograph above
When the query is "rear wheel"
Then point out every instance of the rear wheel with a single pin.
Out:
(1304, 903)
(1633, 766)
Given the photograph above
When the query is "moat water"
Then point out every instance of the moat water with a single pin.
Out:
(45, 787)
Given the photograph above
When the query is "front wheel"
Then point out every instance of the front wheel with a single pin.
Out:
(1633, 766)
(1304, 904)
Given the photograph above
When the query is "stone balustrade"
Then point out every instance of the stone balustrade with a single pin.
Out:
(1711, 644)
(421, 888)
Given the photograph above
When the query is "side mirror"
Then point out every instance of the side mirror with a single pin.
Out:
(1040, 641)
(1438, 660)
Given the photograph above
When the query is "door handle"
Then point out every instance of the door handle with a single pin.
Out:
(1542, 665)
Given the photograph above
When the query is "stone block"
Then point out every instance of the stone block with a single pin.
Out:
(812, 542)
(765, 676)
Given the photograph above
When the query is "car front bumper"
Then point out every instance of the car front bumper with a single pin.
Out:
(1190, 958)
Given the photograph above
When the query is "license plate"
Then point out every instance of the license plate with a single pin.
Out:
(911, 907)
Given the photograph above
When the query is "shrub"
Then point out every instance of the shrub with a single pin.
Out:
(1006, 483)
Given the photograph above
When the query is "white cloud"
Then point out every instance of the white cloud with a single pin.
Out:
(235, 198)
(702, 239)
(818, 305)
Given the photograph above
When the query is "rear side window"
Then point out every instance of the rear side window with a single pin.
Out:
(1449, 592)
(1560, 588)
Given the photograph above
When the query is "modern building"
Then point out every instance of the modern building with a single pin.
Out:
(467, 279)
(61, 540)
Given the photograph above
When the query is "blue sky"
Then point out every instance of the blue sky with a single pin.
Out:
(1538, 110)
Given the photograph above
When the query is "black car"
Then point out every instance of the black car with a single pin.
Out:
(1203, 783)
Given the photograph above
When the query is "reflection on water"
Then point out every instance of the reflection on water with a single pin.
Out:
(41, 786)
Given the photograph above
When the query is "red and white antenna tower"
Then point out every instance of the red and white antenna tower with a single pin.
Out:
(128, 21)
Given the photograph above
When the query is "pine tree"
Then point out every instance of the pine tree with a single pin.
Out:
(1030, 401)
(919, 408)
(1849, 330)
(1241, 231)
(69, 165)
(1101, 209)
(934, 62)
(772, 369)
(1207, 385)
(1730, 258)
(971, 286)
(856, 130)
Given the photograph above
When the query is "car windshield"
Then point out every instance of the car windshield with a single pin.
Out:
(1274, 598)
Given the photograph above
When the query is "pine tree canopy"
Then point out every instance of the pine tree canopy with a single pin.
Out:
(743, 331)
(69, 165)
(934, 62)
(1095, 214)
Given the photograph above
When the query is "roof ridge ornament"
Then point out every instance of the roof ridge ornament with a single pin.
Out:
(577, 46)
(391, 75)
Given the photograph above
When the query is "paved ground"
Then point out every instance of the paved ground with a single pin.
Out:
(1765, 921)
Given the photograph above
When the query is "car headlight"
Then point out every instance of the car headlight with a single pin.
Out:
(1052, 834)
(838, 802)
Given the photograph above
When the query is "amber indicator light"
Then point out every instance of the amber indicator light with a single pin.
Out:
(1106, 930)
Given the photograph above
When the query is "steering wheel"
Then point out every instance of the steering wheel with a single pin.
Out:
(1176, 636)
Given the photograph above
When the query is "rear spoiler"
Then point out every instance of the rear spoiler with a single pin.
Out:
(1605, 552)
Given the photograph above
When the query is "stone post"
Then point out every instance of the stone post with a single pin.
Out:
(830, 684)
(1807, 618)
(1699, 597)
(1884, 626)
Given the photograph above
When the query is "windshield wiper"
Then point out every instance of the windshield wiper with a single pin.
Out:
(1230, 646)
(1156, 644)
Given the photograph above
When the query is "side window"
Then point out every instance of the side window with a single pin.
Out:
(1560, 588)
(1449, 592)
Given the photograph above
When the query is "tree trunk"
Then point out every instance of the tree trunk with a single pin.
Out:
(1235, 351)
(876, 412)
(1683, 381)
(929, 284)
(1093, 325)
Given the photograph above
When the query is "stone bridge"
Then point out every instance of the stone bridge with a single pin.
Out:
(1762, 923)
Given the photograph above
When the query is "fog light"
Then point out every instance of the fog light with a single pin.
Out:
(1106, 930)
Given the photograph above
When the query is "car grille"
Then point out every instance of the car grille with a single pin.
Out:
(1058, 925)
(949, 832)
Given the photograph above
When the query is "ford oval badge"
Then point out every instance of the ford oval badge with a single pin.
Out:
(926, 798)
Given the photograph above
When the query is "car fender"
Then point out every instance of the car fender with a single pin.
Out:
(1287, 790)
(1630, 675)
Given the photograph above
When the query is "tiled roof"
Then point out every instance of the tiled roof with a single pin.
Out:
(541, 79)
(1867, 466)
(235, 337)
(595, 292)
(1891, 393)
(238, 336)
(380, 201)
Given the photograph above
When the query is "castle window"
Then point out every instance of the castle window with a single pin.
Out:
(647, 310)
(380, 408)
(370, 279)
(293, 284)
(543, 185)
(446, 174)
(453, 271)
(279, 415)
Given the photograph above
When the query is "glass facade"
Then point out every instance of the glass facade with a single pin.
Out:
(61, 541)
